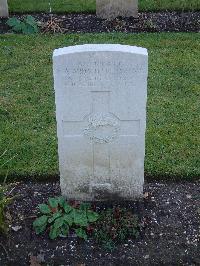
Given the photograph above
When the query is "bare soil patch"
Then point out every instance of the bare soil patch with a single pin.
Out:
(89, 23)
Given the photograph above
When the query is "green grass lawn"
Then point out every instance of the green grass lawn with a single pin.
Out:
(27, 109)
(89, 5)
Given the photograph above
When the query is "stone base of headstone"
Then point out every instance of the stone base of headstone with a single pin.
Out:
(3, 9)
(110, 9)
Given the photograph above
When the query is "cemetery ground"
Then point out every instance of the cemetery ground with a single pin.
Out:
(170, 236)
(164, 21)
(169, 213)
(169, 209)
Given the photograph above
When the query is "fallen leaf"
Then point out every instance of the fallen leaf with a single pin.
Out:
(34, 261)
(147, 195)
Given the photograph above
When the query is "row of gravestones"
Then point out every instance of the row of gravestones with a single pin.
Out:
(107, 9)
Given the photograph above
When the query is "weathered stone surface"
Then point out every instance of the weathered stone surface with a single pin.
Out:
(3, 8)
(101, 93)
(110, 9)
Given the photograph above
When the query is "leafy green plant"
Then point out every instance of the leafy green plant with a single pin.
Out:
(28, 26)
(59, 217)
(115, 226)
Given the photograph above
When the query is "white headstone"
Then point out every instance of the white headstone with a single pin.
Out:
(101, 93)
(3, 8)
(110, 9)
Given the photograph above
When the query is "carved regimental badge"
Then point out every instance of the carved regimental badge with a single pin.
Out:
(102, 127)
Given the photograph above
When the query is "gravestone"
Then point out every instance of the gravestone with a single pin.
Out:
(3, 8)
(101, 92)
(110, 9)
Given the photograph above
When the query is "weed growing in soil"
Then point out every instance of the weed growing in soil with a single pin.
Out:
(28, 26)
(115, 226)
(4, 201)
(59, 217)
(109, 226)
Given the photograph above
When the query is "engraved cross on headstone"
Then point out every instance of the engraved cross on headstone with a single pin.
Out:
(101, 128)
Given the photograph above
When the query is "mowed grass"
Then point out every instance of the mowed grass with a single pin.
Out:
(27, 109)
(90, 5)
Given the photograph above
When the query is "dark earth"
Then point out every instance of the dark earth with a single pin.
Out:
(89, 23)
(171, 235)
